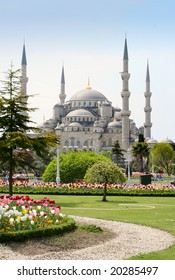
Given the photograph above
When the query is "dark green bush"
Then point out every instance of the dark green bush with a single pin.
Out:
(90, 228)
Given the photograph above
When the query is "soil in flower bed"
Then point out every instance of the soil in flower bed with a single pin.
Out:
(68, 241)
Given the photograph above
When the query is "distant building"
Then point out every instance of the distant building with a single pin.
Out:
(88, 120)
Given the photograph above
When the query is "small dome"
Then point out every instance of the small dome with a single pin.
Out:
(88, 94)
(167, 140)
(117, 109)
(57, 106)
(152, 141)
(106, 103)
(80, 113)
(74, 124)
(118, 116)
(62, 125)
(116, 124)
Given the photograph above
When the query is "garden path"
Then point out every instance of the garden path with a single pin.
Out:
(129, 240)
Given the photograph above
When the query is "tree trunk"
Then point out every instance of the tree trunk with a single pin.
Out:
(141, 164)
(104, 193)
(11, 171)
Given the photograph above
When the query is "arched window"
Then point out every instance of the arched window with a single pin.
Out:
(72, 141)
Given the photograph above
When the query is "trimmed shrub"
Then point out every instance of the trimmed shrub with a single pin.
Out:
(73, 166)
(19, 236)
(104, 172)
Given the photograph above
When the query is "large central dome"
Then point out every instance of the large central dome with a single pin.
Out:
(88, 94)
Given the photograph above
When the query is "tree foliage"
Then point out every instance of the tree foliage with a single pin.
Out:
(15, 124)
(140, 151)
(163, 155)
(118, 153)
(104, 172)
(73, 166)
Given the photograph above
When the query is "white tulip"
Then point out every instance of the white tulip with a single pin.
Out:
(11, 220)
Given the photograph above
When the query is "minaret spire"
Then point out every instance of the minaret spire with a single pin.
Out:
(125, 113)
(147, 108)
(24, 60)
(62, 76)
(62, 94)
(24, 78)
(125, 55)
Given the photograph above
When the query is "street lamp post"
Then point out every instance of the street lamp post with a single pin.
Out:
(58, 131)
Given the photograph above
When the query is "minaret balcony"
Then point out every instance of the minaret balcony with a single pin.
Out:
(125, 94)
(125, 113)
(148, 94)
(147, 109)
(125, 76)
(147, 125)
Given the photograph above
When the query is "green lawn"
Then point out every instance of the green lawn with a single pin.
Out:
(157, 212)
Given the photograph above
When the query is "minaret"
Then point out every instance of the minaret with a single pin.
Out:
(62, 94)
(147, 108)
(125, 113)
(24, 78)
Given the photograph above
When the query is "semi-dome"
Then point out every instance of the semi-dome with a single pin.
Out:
(118, 115)
(88, 94)
(152, 141)
(115, 124)
(57, 106)
(80, 113)
(167, 140)
(73, 124)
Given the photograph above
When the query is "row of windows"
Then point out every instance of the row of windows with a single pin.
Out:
(74, 142)
(84, 104)
(75, 128)
(80, 119)
(88, 143)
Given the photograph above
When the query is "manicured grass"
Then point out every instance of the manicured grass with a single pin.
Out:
(156, 212)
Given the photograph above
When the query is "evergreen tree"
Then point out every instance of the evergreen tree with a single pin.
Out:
(141, 138)
(15, 123)
(118, 153)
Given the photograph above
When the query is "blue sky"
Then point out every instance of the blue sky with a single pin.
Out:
(88, 36)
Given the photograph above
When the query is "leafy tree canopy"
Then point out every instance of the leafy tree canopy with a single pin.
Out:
(73, 166)
(104, 172)
(163, 155)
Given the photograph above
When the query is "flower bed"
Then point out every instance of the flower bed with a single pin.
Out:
(22, 217)
(81, 188)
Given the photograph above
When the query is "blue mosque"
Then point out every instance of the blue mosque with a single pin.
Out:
(88, 120)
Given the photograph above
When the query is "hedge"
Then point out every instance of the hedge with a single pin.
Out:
(18, 236)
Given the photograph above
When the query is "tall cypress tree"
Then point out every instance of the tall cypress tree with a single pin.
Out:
(118, 153)
(15, 123)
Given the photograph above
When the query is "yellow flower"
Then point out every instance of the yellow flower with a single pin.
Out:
(8, 228)
(19, 218)
(25, 211)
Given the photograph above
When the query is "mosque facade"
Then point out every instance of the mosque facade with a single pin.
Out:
(88, 120)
